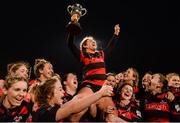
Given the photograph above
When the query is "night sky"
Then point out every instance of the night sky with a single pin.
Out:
(149, 37)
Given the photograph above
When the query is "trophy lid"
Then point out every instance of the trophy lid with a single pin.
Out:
(76, 12)
(76, 9)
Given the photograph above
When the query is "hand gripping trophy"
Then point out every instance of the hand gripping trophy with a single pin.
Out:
(76, 11)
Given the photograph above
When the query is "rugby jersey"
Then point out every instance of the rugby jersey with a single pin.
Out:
(93, 64)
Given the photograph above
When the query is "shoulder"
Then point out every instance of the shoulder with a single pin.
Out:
(46, 113)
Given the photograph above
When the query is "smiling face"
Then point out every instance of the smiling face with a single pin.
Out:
(174, 81)
(89, 44)
(129, 76)
(22, 71)
(47, 71)
(15, 94)
(111, 80)
(126, 92)
(58, 93)
(18, 69)
(119, 77)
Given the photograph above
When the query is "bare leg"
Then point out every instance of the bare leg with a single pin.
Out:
(85, 91)
(77, 117)
(102, 104)
(93, 110)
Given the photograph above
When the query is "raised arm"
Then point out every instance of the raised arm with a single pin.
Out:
(75, 51)
(113, 40)
(73, 29)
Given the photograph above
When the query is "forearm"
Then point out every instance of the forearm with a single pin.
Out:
(112, 41)
(85, 102)
(70, 41)
(77, 105)
(111, 44)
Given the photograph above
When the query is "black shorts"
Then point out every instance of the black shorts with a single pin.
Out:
(93, 87)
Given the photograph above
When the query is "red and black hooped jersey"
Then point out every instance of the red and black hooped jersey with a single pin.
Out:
(93, 64)
(17, 114)
(175, 105)
(176, 92)
(156, 109)
(67, 97)
(93, 68)
(175, 111)
(130, 113)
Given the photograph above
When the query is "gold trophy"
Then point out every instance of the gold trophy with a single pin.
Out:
(76, 11)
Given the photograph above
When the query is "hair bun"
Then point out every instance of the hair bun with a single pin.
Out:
(37, 61)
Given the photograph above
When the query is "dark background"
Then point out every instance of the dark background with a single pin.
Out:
(149, 37)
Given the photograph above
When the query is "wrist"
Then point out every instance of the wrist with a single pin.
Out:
(100, 93)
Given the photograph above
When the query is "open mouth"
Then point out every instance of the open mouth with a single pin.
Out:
(75, 82)
(19, 100)
(158, 87)
(177, 84)
(127, 95)
(93, 44)
(143, 85)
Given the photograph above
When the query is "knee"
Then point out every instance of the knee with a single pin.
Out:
(104, 102)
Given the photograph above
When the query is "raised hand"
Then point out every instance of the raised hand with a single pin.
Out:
(170, 96)
(75, 18)
(106, 90)
(116, 29)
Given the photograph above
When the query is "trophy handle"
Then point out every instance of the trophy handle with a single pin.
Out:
(69, 9)
(84, 11)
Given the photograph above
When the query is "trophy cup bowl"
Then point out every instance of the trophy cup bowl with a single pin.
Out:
(73, 26)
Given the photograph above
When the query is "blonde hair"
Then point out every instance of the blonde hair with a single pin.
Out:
(83, 42)
(10, 80)
(136, 75)
(39, 64)
(168, 76)
(13, 67)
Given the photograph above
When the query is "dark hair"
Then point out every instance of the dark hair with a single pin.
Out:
(44, 91)
(124, 84)
(120, 88)
(64, 78)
